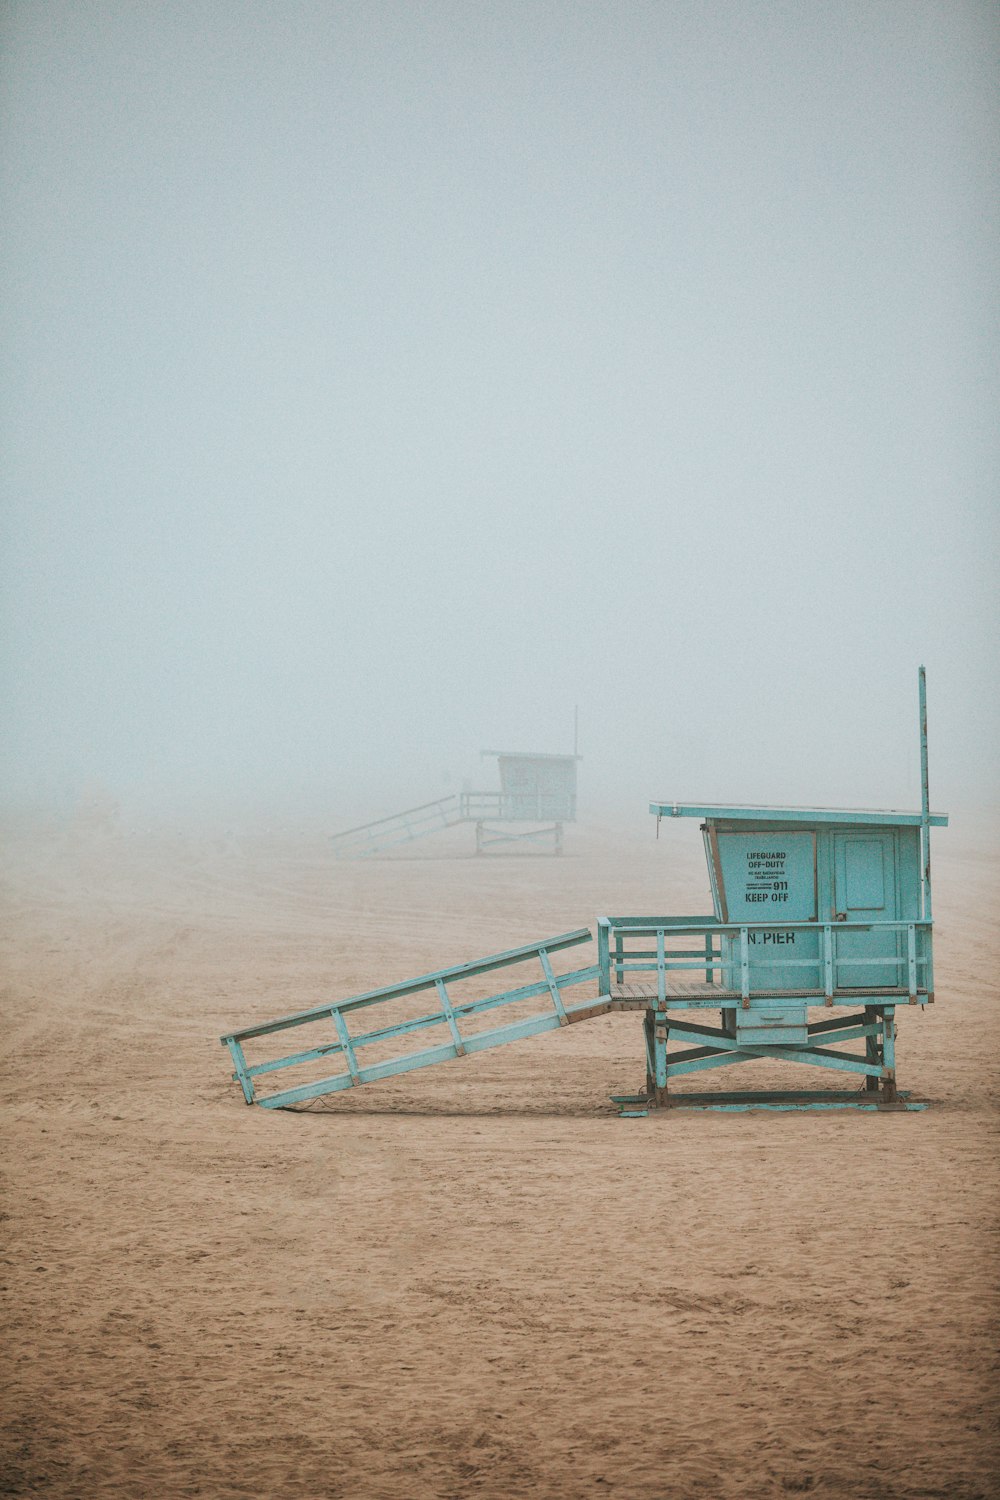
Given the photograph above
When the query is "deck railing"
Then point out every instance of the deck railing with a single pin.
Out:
(519, 807)
(724, 948)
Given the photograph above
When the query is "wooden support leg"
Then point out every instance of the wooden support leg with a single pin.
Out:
(873, 1049)
(647, 1033)
(889, 1054)
(660, 1059)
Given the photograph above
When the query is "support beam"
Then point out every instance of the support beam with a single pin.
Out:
(889, 1054)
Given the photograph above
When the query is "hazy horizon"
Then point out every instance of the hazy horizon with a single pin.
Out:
(381, 381)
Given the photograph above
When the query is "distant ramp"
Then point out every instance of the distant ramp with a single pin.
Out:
(399, 828)
(404, 1016)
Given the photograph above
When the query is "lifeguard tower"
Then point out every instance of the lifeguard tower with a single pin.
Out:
(537, 796)
(813, 908)
(534, 789)
(820, 930)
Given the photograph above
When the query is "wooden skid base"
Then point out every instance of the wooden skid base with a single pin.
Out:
(550, 837)
(632, 1105)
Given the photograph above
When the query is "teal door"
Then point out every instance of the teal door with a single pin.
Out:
(865, 889)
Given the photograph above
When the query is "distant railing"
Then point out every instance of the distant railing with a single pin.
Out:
(446, 812)
(724, 948)
(518, 807)
(399, 828)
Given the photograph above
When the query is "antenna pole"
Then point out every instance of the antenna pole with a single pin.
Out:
(925, 801)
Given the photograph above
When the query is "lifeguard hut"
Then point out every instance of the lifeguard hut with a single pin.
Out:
(534, 789)
(820, 929)
(537, 796)
(814, 909)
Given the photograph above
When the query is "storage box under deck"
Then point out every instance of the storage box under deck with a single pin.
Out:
(777, 1026)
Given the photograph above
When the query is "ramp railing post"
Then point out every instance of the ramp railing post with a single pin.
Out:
(661, 970)
(550, 980)
(345, 1042)
(449, 1015)
(240, 1066)
(603, 956)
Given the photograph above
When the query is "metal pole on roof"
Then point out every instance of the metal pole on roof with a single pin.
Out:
(925, 800)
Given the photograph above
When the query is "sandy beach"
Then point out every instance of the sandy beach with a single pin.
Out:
(474, 1280)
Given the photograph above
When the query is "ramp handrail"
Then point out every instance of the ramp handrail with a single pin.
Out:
(827, 961)
(407, 812)
(413, 822)
(448, 1013)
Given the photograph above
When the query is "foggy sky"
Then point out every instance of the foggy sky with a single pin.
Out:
(381, 380)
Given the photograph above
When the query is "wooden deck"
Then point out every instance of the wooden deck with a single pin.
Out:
(639, 996)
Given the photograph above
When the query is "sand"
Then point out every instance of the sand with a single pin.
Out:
(474, 1280)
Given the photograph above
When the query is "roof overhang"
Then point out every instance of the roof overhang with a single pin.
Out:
(528, 755)
(862, 816)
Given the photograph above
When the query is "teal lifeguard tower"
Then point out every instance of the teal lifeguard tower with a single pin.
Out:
(814, 909)
(820, 929)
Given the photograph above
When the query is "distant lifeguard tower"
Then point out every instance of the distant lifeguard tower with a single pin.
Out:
(535, 789)
(537, 796)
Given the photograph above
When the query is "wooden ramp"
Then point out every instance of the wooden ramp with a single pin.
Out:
(643, 996)
(399, 828)
(333, 1035)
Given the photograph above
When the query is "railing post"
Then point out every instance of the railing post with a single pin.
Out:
(709, 969)
(603, 956)
(240, 1064)
(911, 961)
(449, 1016)
(828, 963)
(744, 969)
(661, 971)
(345, 1042)
(550, 980)
(619, 950)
